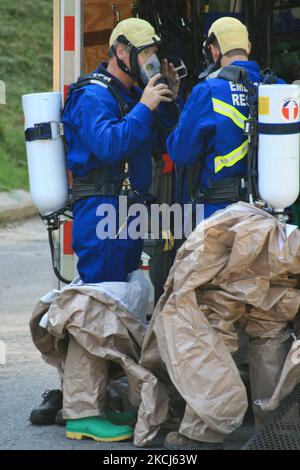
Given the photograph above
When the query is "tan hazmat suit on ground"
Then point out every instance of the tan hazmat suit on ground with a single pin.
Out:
(83, 330)
(238, 266)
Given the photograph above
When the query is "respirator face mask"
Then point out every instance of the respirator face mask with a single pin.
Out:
(149, 64)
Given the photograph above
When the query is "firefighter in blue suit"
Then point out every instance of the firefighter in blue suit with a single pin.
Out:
(211, 131)
(100, 139)
(112, 128)
(211, 127)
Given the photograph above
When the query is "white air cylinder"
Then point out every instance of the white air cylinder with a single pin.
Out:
(279, 145)
(46, 158)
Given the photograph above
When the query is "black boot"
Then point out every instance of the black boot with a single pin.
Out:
(47, 411)
(59, 420)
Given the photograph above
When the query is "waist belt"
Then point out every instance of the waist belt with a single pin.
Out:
(227, 190)
(82, 191)
(97, 183)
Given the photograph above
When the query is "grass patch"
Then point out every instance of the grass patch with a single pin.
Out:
(25, 67)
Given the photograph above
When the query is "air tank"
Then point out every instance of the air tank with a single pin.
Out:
(46, 158)
(279, 145)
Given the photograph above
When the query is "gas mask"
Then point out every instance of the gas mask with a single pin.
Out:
(149, 65)
(144, 61)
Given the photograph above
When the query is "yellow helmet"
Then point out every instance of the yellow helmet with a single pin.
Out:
(139, 33)
(231, 34)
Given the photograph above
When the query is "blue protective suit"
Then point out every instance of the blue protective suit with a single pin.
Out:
(97, 137)
(211, 130)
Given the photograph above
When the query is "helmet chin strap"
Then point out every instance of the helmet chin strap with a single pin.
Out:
(135, 68)
(212, 67)
(123, 66)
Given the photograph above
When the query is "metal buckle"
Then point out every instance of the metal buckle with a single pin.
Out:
(55, 130)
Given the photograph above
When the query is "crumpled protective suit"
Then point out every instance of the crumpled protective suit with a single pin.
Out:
(238, 266)
(88, 328)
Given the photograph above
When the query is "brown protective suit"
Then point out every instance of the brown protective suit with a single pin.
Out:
(238, 266)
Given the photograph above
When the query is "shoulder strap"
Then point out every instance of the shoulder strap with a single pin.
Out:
(233, 73)
(270, 78)
(100, 80)
(230, 73)
(236, 74)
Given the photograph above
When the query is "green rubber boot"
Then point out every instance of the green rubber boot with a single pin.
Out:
(97, 428)
(128, 418)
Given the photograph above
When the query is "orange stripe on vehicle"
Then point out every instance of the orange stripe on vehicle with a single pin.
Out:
(66, 89)
(67, 228)
(69, 33)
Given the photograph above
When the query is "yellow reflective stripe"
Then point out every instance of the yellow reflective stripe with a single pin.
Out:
(231, 158)
(230, 111)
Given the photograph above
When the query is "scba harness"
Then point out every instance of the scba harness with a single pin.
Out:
(240, 188)
(99, 182)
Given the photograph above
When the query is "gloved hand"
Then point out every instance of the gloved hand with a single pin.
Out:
(154, 93)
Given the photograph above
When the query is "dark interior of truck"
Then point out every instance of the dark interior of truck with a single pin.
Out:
(274, 27)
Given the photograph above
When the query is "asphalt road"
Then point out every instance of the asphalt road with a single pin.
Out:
(25, 276)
